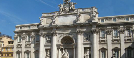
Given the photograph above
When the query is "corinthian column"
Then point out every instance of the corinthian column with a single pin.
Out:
(32, 44)
(42, 49)
(109, 43)
(23, 44)
(15, 43)
(79, 44)
(53, 46)
(94, 53)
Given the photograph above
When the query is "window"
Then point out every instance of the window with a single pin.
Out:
(27, 55)
(36, 55)
(127, 19)
(103, 54)
(18, 55)
(129, 52)
(114, 19)
(6, 49)
(102, 33)
(19, 39)
(28, 39)
(128, 32)
(37, 38)
(117, 54)
(102, 20)
(115, 33)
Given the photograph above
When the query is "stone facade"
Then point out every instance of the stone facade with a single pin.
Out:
(75, 33)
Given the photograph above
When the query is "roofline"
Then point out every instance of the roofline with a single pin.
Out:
(117, 16)
(27, 24)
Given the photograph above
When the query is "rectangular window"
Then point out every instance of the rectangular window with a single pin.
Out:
(128, 32)
(102, 20)
(102, 33)
(115, 33)
(103, 54)
(129, 53)
(37, 38)
(114, 19)
(127, 19)
(28, 39)
(19, 39)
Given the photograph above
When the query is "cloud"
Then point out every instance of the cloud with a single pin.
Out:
(47, 4)
(13, 18)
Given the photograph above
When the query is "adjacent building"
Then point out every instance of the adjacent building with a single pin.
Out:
(6, 46)
(76, 33)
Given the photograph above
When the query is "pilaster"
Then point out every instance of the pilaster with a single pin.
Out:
(32, 44)
(53, 46)
(79, 44)
(15, 43)
(109, 43)
(42, 49)
(122, 43)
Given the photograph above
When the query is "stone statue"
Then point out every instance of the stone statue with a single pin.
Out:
(61, 8)
(66, 1)
(86, 55)
(72, 5)
(65, 54)
(48, 54)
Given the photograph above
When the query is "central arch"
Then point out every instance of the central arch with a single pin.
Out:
(67, 44)
(67, 40)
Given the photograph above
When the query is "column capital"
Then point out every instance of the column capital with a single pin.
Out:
(79, 32)
(122, 31)
(108, 31)
(42, 34)
(93, 31)
(24, 36)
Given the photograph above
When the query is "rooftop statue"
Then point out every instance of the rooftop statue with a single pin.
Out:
(67, 6)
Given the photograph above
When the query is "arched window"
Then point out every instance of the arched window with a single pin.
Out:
(129, 52)
(103, 52)
(67, 40)
(116, 52)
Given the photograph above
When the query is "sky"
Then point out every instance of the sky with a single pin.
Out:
(16, 12)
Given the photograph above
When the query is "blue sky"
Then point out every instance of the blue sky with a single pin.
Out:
(15, 12)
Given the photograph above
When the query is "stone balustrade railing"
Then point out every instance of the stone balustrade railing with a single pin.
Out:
(27, 26)
(116, 19)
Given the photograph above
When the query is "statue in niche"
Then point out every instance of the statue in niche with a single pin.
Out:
(65, 54)
(86, 55)
(48, 54)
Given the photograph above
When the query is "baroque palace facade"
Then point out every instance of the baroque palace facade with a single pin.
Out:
(76, 33)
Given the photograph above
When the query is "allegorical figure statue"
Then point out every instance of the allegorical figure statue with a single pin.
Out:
(48, 54)
(65, 54)
(86, 55)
